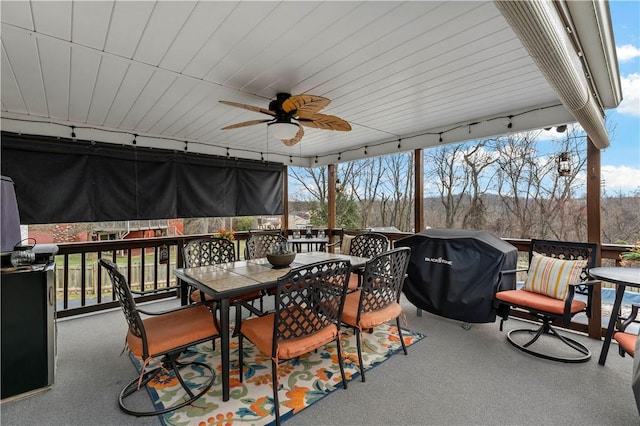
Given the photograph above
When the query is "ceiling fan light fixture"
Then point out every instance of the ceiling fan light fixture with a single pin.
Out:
(281, 130)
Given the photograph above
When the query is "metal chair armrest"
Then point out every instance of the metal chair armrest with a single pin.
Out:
(512, 271)
(157, 290)
(631, 319)
(167, 311)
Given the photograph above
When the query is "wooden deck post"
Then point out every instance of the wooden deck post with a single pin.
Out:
(594, 234)
(331, 202)
(418, 201)
(285, 200)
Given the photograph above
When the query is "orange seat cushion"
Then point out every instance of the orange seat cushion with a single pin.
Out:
(627, 341)
(173, 330)
(354, 281)
(538, 301)
(260, 331)
(368, 319)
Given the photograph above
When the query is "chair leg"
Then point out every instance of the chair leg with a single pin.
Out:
(360, 361)
(171, 364)
(404, 346)
(240, 357)
(340, 363)
(274, 379)
(546, 328)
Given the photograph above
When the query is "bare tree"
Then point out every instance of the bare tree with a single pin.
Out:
(397, 196)
(477, 159)
(447, 169)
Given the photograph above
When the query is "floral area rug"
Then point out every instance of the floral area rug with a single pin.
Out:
(303, 381)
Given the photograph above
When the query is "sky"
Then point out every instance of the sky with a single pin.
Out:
(621, 160)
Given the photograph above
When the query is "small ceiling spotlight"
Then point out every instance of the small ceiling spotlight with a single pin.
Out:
(510, 125)
(564, 164)
(561, 129)
(186, 146)
(73, 132)
(399, 143)
(440, 139)
(135, 141)
(339, 156)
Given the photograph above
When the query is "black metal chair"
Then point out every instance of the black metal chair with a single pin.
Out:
(164, 335)
(557, 271)
(212, 251)
(259, 243)
(627, 341)
(378, 299)
(308, 306)
(367, 244)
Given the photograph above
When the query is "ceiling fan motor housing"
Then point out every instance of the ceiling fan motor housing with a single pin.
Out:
(276, 105)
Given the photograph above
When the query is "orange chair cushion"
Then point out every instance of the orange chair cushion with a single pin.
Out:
(368, 319)
(353, 282)
(539, 302)
(173, 330)
(627, 341)
(260, 331)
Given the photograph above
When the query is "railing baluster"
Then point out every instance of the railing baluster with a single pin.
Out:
(142, 261)
(99, 278)
(83, 278)
(65, 283)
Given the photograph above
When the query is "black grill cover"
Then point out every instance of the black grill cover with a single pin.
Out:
(454, 273)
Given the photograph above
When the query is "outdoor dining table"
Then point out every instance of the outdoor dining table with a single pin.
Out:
(226, 280)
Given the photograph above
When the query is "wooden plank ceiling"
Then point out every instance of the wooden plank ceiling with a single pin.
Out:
(400, 73)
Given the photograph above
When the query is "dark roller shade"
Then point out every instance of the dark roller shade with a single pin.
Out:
(63, 181)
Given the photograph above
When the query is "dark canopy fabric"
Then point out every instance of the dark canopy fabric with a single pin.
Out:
(62, 181)
(455, 273)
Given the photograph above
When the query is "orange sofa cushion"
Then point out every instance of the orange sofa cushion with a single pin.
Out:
(538, 301)
(369, 319)
(174, 329)
(627, 341)
(260, 331)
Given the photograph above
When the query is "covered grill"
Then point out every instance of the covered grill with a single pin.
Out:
(456, 273)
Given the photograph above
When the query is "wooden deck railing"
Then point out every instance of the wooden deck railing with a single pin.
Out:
(148, 264)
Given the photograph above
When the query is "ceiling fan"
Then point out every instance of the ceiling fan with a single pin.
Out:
(289, 113)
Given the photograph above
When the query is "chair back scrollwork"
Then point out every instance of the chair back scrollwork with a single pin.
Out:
(208, 251)
(309, 299)
(368, 244)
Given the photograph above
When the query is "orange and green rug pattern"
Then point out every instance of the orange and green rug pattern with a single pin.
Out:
(303, 381)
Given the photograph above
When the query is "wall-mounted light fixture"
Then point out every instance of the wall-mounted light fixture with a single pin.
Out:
(564, 165)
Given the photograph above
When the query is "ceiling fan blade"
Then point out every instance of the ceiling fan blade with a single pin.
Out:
(245, 124)
(325, 122)
(249, 107)
(296, 138)
(308, 104)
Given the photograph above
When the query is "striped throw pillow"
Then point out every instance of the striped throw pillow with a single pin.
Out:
(551, 276)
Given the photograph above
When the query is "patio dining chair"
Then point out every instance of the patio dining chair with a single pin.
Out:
(212, 251)
(378, 299)
(308, 305)
(367, 244)
(159, 341)
(627, 340)
(259, 243)
(557, 288)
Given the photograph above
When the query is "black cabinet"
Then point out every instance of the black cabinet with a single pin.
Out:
(28, 330)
